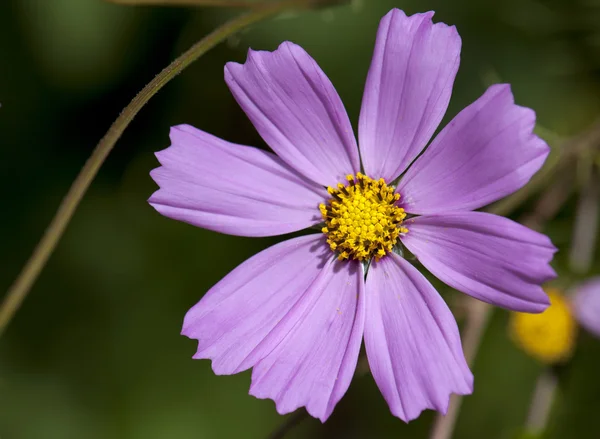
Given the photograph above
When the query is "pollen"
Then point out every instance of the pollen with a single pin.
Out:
(362, 220)
(550, 336)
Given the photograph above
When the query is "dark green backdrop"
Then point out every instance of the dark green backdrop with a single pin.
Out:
(95, 352)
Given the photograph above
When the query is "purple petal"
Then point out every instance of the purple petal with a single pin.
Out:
(488, 151)
(314, 363)
(586, 305)
(234, 189)
(297, 111)
(486, 256)
(407, 91)
(413, 343)
(236, 315)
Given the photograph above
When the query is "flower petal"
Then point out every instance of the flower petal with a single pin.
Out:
(412, 340)
(315, 361)
(486, 256)
(297, 111)
(586, 305)
(407, 90)
(234, 189)
(486, 152)
(239, 312)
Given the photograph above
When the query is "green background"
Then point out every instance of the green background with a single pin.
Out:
(95, 351)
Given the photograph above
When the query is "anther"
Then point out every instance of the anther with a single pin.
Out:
(362, 220)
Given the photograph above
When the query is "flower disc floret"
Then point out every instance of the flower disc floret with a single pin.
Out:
(549, 336)
(362, 220)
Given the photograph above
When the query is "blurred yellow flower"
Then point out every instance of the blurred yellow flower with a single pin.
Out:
(550, 336)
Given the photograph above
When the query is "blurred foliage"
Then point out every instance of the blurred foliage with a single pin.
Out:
(95, 352)
(229, 3)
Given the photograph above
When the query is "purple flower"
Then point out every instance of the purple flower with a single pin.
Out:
(295, 312)
(586, 305)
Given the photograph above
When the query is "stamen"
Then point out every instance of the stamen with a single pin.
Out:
(362, 220)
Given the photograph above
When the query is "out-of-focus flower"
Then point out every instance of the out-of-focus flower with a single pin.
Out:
(586, 305)
(550, 336)
(297, 312)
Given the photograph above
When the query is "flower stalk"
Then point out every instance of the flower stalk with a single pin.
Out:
(30, 272)
(585, 231)
(246, 4)
(541, 403)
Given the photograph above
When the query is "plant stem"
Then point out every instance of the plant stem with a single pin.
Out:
(585, 230)
(218, 3)
(541, 403)
(247, 4)
(19, 289)
(290, 422)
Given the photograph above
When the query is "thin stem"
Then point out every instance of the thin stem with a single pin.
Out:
(585, 230)
(247, 4)
(217, 3)
(551, 200)
(290, 422)
(18, 291)
(541, 403)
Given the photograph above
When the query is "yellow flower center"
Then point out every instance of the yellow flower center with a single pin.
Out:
(361, 219)
(549, 336)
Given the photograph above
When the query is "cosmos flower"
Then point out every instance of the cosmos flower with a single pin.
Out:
(585, 304)
(550, 336)
(298, 311)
